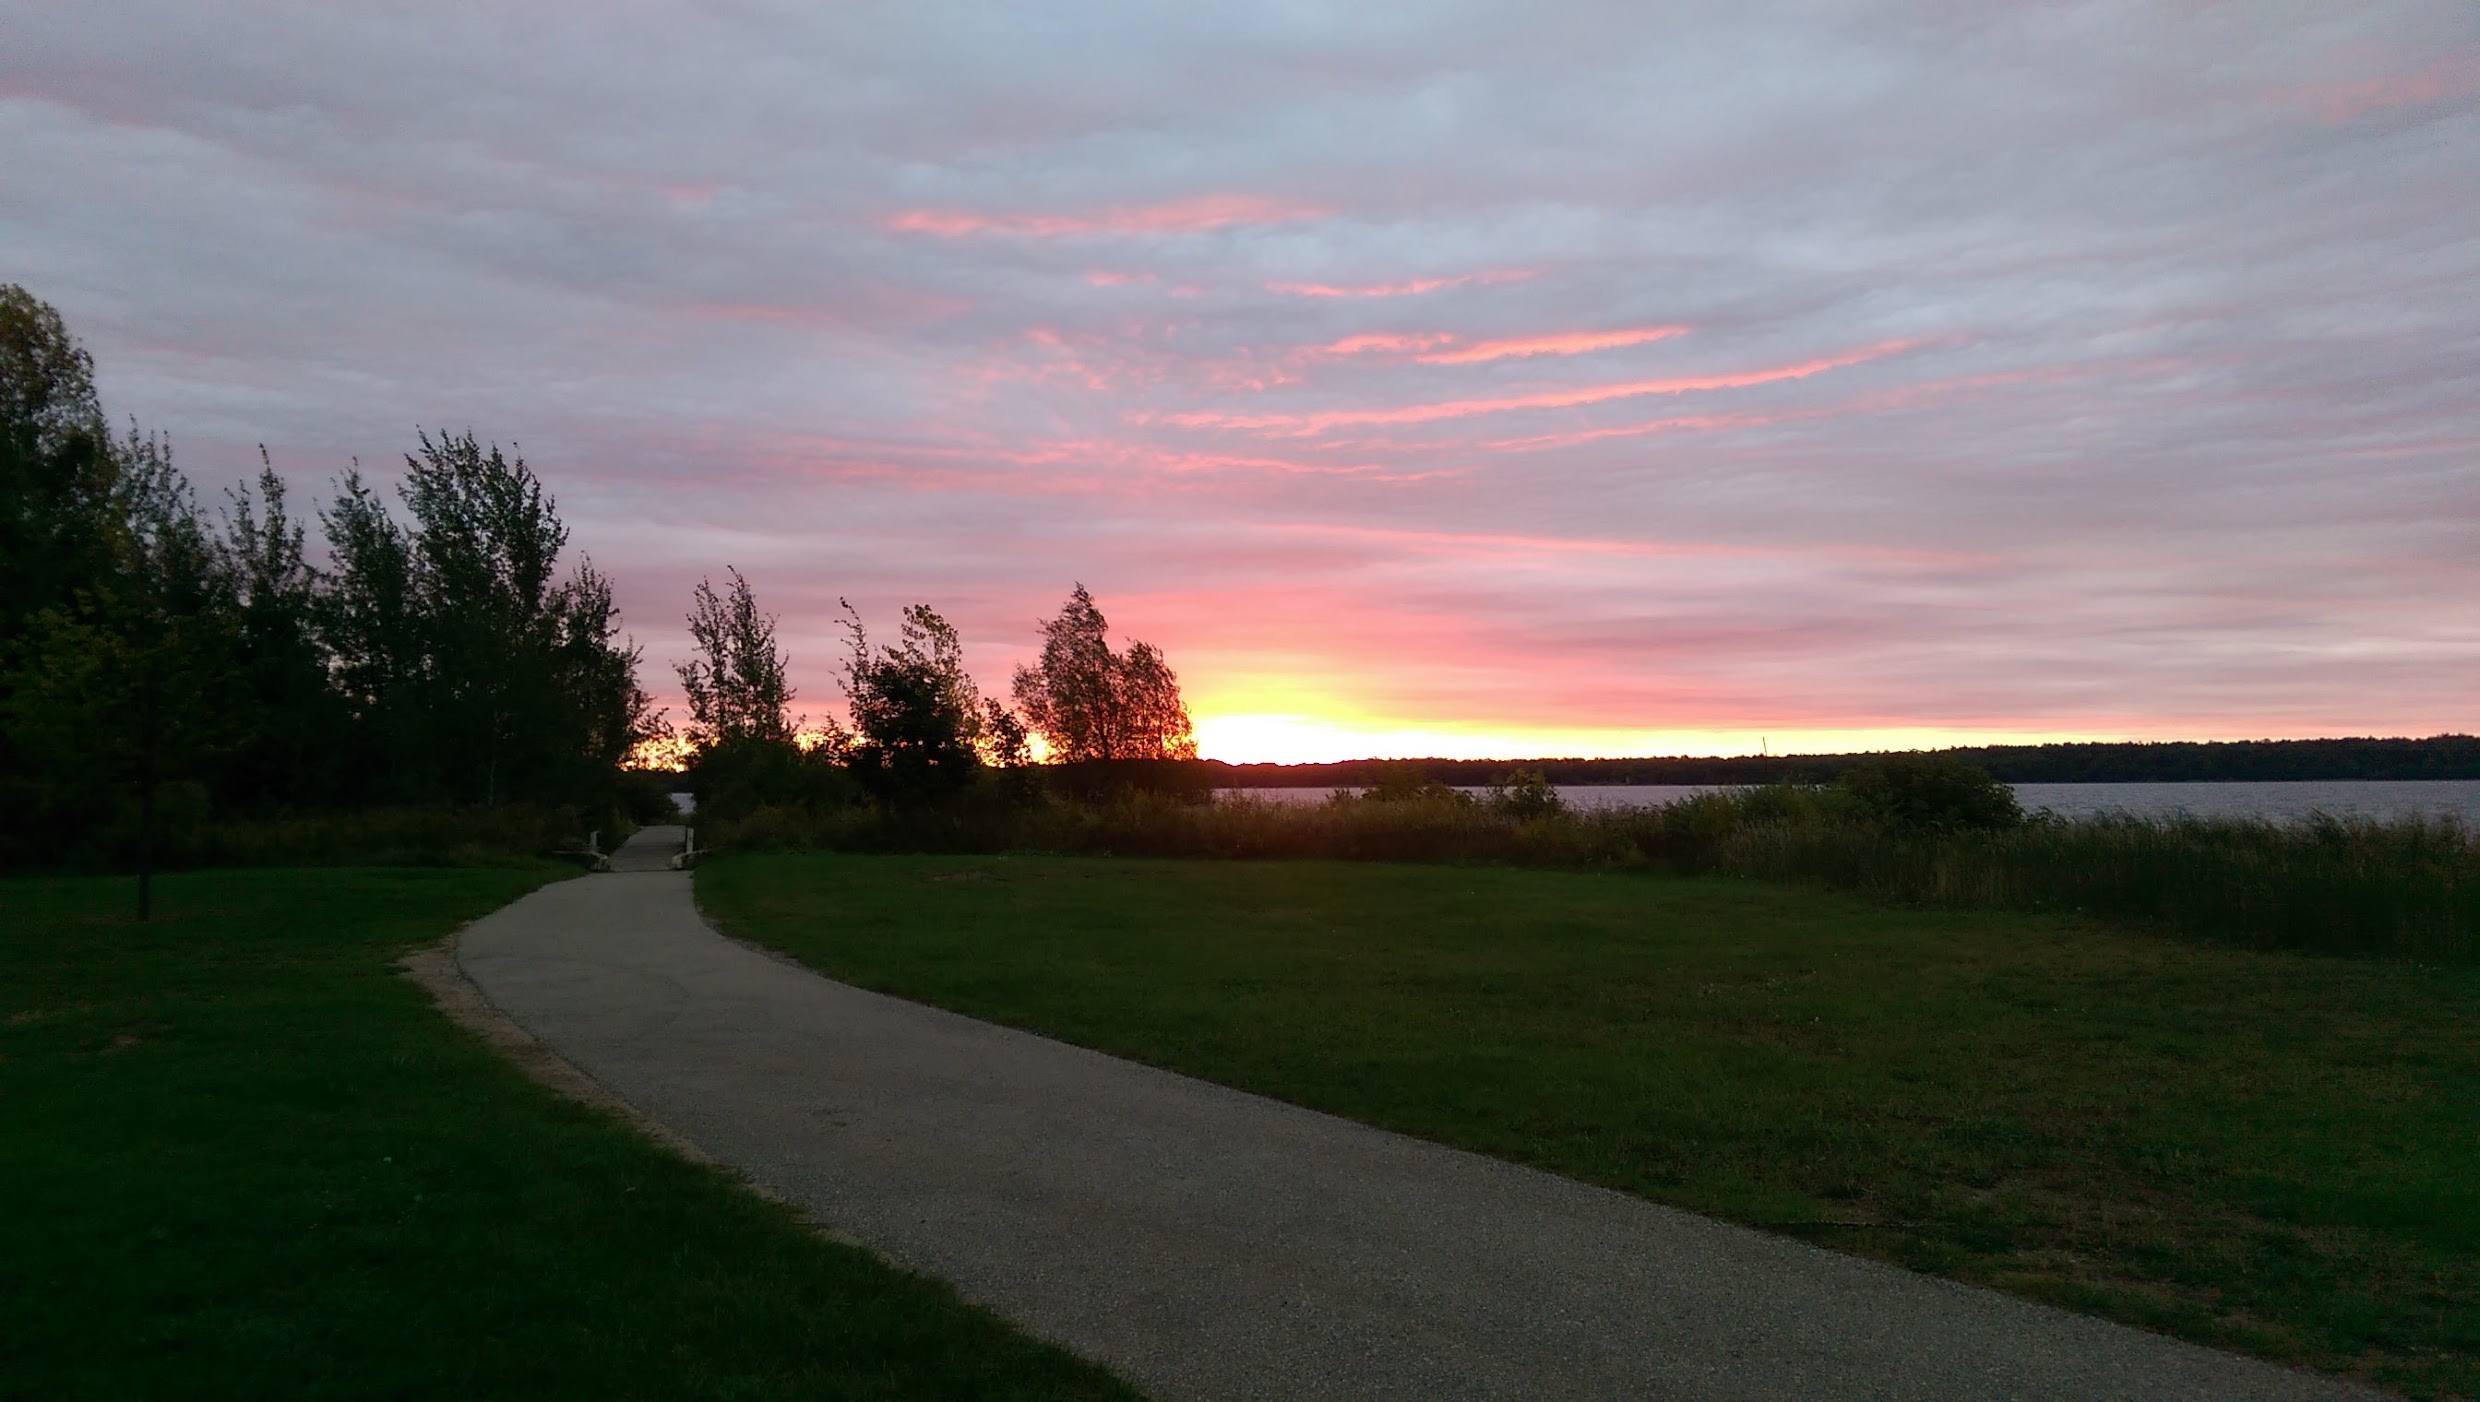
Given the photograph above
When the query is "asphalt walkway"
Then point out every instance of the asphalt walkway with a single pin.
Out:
(1211, 1244)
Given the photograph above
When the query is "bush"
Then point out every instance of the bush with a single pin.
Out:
(1932, 791)
(1100, 780)
(734, 779)
(1524, 795)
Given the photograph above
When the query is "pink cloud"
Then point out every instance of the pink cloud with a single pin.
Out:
(1542, 399)
(1685, 423)
(2451, 77)
(1505, 543)
(1413, 288)
(1197, 214)
(1558, 343)
(1380, 343)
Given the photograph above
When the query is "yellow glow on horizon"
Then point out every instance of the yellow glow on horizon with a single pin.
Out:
(1296, 738)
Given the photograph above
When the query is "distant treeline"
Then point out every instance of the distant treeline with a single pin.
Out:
(2175, 761)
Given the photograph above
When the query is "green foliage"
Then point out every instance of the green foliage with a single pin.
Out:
(1932, 791)
(1090, 703)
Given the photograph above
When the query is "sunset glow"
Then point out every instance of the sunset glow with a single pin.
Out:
(1455, 382)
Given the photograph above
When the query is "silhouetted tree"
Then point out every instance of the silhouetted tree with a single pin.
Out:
(292, 756)
(475, 672)
(144, 652)
(135, 685)
(1090, 703)
(366, 616)
(59, 473)
(736, 685)
(917, 717)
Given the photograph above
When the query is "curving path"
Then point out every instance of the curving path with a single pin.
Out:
(1212, 1244)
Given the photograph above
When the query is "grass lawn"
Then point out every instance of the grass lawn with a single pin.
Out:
(2275, 1153)
(240, 1157)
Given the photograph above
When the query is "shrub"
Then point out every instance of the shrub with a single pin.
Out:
(1932, 791)
(1524, 795)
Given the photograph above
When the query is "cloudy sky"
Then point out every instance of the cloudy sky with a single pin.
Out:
(1592, 378)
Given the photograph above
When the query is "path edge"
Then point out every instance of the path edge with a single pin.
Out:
(435, 970)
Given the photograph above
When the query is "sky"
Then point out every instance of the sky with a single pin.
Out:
(1424, 379)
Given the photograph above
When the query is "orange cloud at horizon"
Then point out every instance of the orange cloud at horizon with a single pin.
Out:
(1197, 214)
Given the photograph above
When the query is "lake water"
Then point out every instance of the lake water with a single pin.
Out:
(2278, 802)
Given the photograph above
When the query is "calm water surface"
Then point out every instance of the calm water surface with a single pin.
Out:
(2283, 802)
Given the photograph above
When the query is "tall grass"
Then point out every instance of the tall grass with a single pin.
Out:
(2404, 889)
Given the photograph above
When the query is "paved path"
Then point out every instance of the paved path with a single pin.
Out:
(1210, 1244)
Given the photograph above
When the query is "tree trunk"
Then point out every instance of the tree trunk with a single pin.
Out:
(146, 795)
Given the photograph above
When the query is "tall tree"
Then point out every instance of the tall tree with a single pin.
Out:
(292, 757)
(1090, 703)
(736, 685)
(595, 673)
(486, 540)
(917, 717)
(476, 672)
(366, 614)
(135, 686)
(59, 472)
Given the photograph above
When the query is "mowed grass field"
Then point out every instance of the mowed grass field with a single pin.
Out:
(240, 1157)
(2275, 1153)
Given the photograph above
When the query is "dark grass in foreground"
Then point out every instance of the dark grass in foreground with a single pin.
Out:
(2264, 1151)
(240, 1157)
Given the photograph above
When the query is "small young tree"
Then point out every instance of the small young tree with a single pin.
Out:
(736, 686)
(1090, 703)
